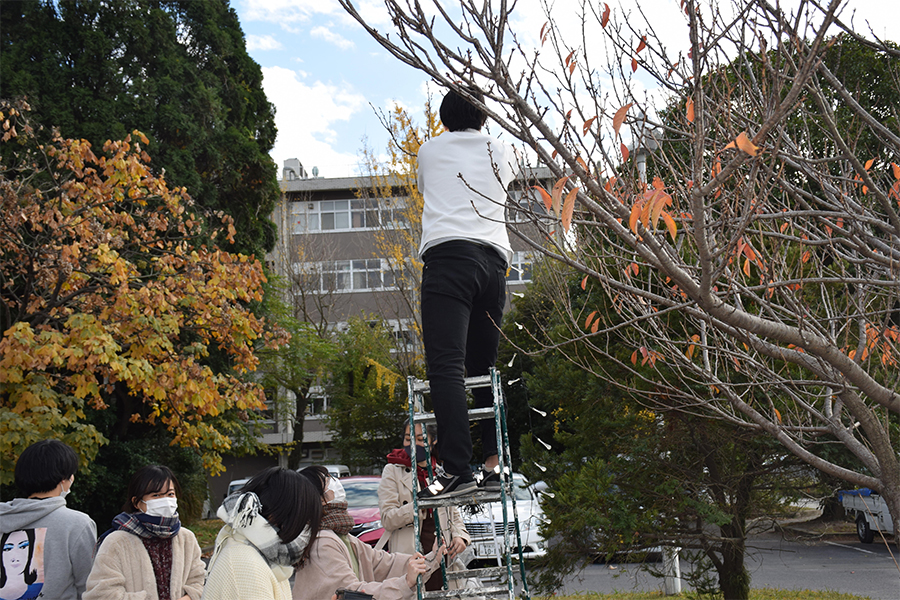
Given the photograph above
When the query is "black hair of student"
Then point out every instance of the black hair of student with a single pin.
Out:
(318, 475)
(290, 502)
(430, 431)
(29, 573)
(43, 465)
(147, 480)
(457, 113)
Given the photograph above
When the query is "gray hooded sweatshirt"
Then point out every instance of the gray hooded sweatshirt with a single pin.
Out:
(47, 549)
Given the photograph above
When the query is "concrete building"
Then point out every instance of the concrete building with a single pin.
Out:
(328, 247)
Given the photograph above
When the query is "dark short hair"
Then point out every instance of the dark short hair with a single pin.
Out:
(43, 465)
(146, 480)
(290, 502)
(318, 475)
(458, 113)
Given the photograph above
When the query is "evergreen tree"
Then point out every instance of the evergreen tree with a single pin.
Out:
(176, 70)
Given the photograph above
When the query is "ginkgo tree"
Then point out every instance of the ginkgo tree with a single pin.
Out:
(393, 188)
(769, 229)
(109, 300)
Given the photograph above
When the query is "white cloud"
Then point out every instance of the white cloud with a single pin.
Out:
(329, 36)
(262, 42)
(285, 12)
(305, 117)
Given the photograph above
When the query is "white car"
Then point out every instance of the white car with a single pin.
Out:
(481, 529)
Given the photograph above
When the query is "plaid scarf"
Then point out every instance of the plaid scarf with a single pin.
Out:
(146, 526)
(244, 523)
(336, 518)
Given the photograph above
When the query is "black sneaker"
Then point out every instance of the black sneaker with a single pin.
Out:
(448, 486)
(488, 479)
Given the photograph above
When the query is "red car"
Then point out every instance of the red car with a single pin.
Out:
(362, 504)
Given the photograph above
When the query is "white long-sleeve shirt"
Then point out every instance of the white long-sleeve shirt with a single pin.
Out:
(463, 176)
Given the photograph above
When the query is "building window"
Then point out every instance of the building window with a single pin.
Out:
(348, 275)
(524, 206)
(520, 269)
(345, 215)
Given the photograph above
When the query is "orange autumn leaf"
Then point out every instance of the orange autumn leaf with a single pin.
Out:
(584, 282)
(583, 164)
(605, 18)
(670, 224)
(619, 117)
(642, 45)
(548, 201)
(587, 125)
(556, 193)
(625, 152)
(590, 317)
(544, 32)
(634, 64)
(744, 143)
(569, 208)
(689, 106)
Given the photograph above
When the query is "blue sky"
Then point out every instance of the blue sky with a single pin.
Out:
(327, 77)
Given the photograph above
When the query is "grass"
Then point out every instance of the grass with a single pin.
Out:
(206, 531)
(756, 594)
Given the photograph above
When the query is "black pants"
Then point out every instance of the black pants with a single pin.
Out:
(463, 295)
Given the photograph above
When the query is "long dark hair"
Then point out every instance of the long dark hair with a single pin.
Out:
(147, 480)
(318, 475)
(290, 502)
(29, 573)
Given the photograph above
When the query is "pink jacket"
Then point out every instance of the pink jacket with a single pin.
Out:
(329, 568)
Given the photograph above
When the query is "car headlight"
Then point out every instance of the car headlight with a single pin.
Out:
(371, 525)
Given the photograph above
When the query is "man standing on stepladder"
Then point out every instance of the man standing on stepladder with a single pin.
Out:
(462, 175)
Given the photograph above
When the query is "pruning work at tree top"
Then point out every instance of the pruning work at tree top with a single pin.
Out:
(755, 275)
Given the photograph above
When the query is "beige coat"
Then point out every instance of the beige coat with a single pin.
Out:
(395, 501)
(122, 569)
(329, 568)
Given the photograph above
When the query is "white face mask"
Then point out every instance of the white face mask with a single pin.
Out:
(335, 486)
(65, 491)
(162, 507)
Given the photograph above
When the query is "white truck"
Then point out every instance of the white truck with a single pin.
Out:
(871, 513)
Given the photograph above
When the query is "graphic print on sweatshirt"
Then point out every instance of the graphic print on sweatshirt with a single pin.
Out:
(22, 565)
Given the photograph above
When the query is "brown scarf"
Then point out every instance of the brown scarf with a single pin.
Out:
(336, 518)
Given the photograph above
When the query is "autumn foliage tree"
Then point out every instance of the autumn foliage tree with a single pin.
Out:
(393, 188)
(109, 302)
(754, 276)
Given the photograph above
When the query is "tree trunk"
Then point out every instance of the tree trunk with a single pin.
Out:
(734, 579)
(296, 455)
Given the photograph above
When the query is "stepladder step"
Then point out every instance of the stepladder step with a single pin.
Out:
(477, 497)
(482, 592)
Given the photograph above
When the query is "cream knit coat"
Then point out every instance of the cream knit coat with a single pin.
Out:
(241, 572)
(122, 569)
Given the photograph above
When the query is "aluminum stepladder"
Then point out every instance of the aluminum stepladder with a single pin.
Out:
(506, 496)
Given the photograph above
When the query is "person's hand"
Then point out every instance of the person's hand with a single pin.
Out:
(185, 597)
(416, 566)
(457, 546)
(434, 557)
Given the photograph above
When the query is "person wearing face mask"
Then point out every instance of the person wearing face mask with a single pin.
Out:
(268, 527)
(338, 560)
(395, 502)
(47, 547)
(147, 554)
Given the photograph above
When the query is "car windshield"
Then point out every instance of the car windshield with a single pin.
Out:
(522, 493)
(361, 494)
